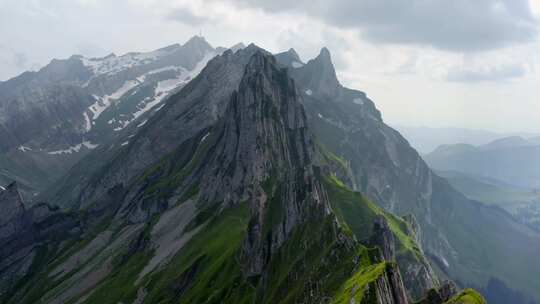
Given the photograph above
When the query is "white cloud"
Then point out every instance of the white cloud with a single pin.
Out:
(456, 25)
(535, 7)
(484, 74)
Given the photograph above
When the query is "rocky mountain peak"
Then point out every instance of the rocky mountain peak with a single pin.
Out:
(324, 54)
(326, 68)
(317, 75)
(265, 110)
(197, 42)
(237, 47)
(293, 54)
(265, 144)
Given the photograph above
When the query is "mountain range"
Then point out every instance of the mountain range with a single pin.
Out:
(501, 173)
(512, 160)
(260, 180)
(425, 139)
(51, 118)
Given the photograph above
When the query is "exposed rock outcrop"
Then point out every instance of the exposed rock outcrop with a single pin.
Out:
(23, 231)
(383, 238)
(264, 157)
(441, 295)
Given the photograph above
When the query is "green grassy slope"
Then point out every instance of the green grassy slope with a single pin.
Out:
(468, 296)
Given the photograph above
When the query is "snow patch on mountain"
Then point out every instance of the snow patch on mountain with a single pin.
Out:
(74, 149)
(163, 69)
(359, 101)
(24, 148)
(142, 123)
(165, 87)
(205, 136)
(159, 108)
(102, 103)
(87, 122)
(445, 262)
(113, 64)
(123, 124)
(296, 64)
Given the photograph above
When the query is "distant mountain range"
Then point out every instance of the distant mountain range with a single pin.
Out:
(504, 172)
(522, 203)
(425, 139)
(513, 160)
(259, 180)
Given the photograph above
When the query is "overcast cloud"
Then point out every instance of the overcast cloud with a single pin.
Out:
(438, 63)
(457, 25)
(186, 16)
(502, 73)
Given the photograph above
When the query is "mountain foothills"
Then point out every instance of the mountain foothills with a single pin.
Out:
(260, 180)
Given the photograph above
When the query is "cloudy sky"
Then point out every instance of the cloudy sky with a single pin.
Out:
(437, 63)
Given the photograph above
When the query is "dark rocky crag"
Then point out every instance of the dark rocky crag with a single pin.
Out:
(25, 233)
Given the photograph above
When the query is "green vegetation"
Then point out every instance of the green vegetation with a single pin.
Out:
(206, 269)
(312, 253)
(354, 288)
(274, 210)
(120, 285)
(329, 156)
(168, 174)
(467, 296)
(358, 213)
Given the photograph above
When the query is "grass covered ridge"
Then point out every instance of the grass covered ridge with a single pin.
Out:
(467, 296)
(354, 288)
(358, 213)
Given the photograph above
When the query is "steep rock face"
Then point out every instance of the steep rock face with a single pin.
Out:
(392, 174)
(12, 204)
(39, 116)
(383, 238)
(390, 288)
(265, 140)
(23, 232)
(440, 295)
